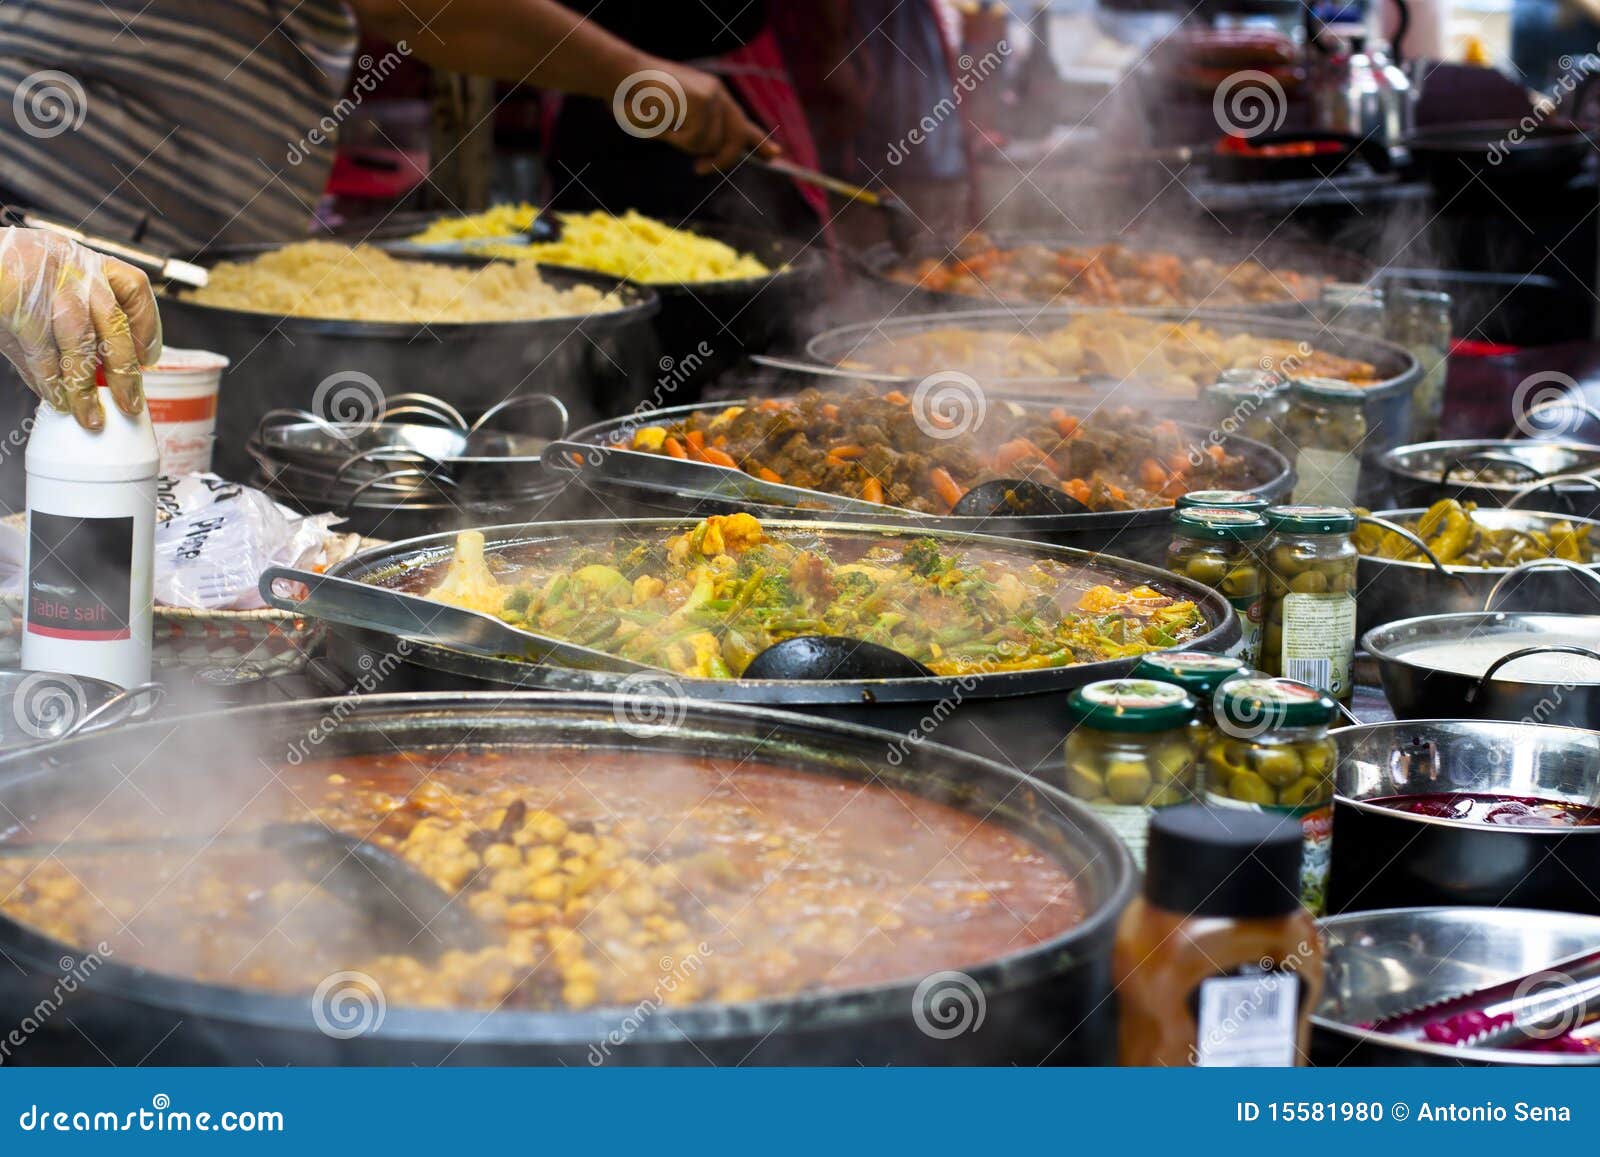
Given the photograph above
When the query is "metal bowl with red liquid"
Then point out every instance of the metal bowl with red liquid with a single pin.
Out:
(1466, 813)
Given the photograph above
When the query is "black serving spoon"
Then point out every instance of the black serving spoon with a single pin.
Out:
(1000, 497)
(545, 227)
(812, 657)
(410, 911)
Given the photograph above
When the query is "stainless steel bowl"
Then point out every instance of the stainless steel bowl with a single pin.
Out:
(1423, 473)
(1381, 963)
(1383, 858)
(1393, 589)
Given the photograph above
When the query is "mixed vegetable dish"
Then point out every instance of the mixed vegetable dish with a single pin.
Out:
(705, 602)
(893, 449)
(1111, 274)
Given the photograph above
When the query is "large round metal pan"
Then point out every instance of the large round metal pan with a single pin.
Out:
(1378, 963)
(875, 263)
(597, 364)
(1423, 473)
(1049, 1002)
(1420, 689)
(1018, 716)
(1383, 858)
(1136, 534)
(1394, 589)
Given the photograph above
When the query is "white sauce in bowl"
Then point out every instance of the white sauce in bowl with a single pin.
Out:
(1474, 656)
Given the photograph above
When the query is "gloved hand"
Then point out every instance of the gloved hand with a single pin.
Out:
(66, 311)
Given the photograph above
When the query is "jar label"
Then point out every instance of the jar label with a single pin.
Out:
(1248, 608)
(1327, 477)
(1248, 1021)
(1319, 640)
(79, 577)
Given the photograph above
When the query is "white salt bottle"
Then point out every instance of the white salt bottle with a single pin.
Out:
(91, 545)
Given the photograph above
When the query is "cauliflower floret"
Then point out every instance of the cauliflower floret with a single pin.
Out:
(719, 534)
(468, 582)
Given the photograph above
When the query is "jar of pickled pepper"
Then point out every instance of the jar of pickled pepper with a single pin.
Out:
(1199, 673)
(1327, 425)
(1216, 546)
(1251, 403)
(1272, 752)
(1131, 752)
(1223, 500)
(1308, 622)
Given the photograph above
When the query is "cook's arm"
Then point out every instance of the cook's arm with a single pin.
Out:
(541, 43)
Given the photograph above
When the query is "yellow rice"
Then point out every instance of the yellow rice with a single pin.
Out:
(326, 280)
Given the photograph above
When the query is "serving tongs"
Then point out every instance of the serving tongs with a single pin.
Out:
(694, 480)
(1523, 1010)
(411, 911)
(165, 268)
(420, 620)
(902, 223)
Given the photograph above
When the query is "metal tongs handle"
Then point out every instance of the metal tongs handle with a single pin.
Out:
(167, 268)
(1536, 564)
(692, 479)
(1546, 482)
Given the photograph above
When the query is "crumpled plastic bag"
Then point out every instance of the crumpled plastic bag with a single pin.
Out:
(219, 536)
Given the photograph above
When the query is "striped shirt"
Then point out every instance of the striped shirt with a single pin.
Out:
(193, 122)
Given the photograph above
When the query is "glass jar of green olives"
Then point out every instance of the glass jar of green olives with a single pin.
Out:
(1199, 673)
(1224, 500)
(1216, 546)
(1308, 625)
(1252, 403)
(1272, 752)
(1327, 424)
(1351, 306)
(1130, 752)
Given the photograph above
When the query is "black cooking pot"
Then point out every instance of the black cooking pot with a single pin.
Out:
(598, 365)
(1049, 1002)
(1019, 717)
(1135, 534)
(1383, 858)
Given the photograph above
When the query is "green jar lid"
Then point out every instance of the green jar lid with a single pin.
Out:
(1262, 703)
(1312, 519)
(1142, 705)
(1199, 673)
(1219, 523)
(1223, 499)
(1328, 390)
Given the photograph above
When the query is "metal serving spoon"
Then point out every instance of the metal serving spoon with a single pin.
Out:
(1012, 496)
(409, 910)
(812, 657)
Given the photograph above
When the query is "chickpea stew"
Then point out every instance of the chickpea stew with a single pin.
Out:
(604, 877)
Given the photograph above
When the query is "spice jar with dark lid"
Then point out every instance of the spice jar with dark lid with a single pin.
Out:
(1217, 964)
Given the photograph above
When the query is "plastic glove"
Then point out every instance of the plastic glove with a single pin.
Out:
(66, 311)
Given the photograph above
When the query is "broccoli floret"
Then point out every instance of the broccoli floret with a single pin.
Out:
(776, 591)
(922, 556)
(853, 584)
